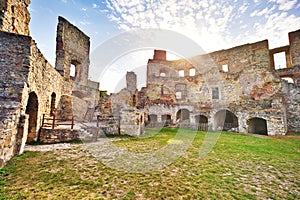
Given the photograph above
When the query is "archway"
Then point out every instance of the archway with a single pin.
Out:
(52, 105)
(152, 118)
(166, 120)
(32, 110)
(257, 126)
(183, 115)
(225, 120)
(202, 122)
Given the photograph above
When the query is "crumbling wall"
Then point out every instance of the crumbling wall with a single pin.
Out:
(58, 135)
(132, 121)
(14, 66)
(248, 88)
(237, 58)
(294, 40)
(24, 71)
(131, 81)
(14, 16)
(292, 102)
(72, 47)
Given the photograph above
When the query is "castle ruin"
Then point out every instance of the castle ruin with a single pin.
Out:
(237, 89)
(30, 87)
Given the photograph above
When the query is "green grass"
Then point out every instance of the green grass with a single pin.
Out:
(238, 167)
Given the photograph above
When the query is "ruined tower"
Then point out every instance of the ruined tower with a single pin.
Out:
(72, 49)
(14, 16)
(131, 81)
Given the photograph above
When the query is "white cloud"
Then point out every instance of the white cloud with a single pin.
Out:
(244, 7)
(84, 22)
(285, 5)
(265, 12)
(84, 9)
(95, 5)
(211, 23)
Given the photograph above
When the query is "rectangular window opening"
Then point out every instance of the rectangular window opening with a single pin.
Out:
(192, 72)
(72, 70)
(225, 68)
(279, 60)
(181, 73)
(215, 93)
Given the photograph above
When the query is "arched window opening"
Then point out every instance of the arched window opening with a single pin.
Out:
(166, 119)
(52, 105)
(225, 120)
(202, 122)
(183, 115)
(32, 110)
(257, 126)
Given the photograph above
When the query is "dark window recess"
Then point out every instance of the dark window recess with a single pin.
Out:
(215, 93)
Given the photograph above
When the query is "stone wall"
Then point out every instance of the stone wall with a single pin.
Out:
(292, 102)
(131, 81)
(14, 16)
(132, 121)
(14, 66)
(249, 89)
(58, 135)
(294, 39)
(72, 47)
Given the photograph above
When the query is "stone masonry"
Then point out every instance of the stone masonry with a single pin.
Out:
(236, 89)
(30, 87)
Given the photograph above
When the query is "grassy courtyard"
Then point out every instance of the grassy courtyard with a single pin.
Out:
(238, 167)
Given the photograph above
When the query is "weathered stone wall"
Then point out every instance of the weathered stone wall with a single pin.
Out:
(30, 86)
(292, 102)
(14, 16)
(14, 66)
(245, 89)
(132, 121)
(294, 39)
(24, 71)
(131, 81)
(72, 47)
(58, 135)
(240, 57)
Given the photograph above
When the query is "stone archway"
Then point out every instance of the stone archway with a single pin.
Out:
(257, 126)
(166, 120)
(202, 122)
(183, 115)
(225, 120)
(32, 110)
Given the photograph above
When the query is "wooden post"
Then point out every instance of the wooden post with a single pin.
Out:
(72, 125)
(43, 121)
(98, 120)
(53, 121)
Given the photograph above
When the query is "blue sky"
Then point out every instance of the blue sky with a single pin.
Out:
(213, 24)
